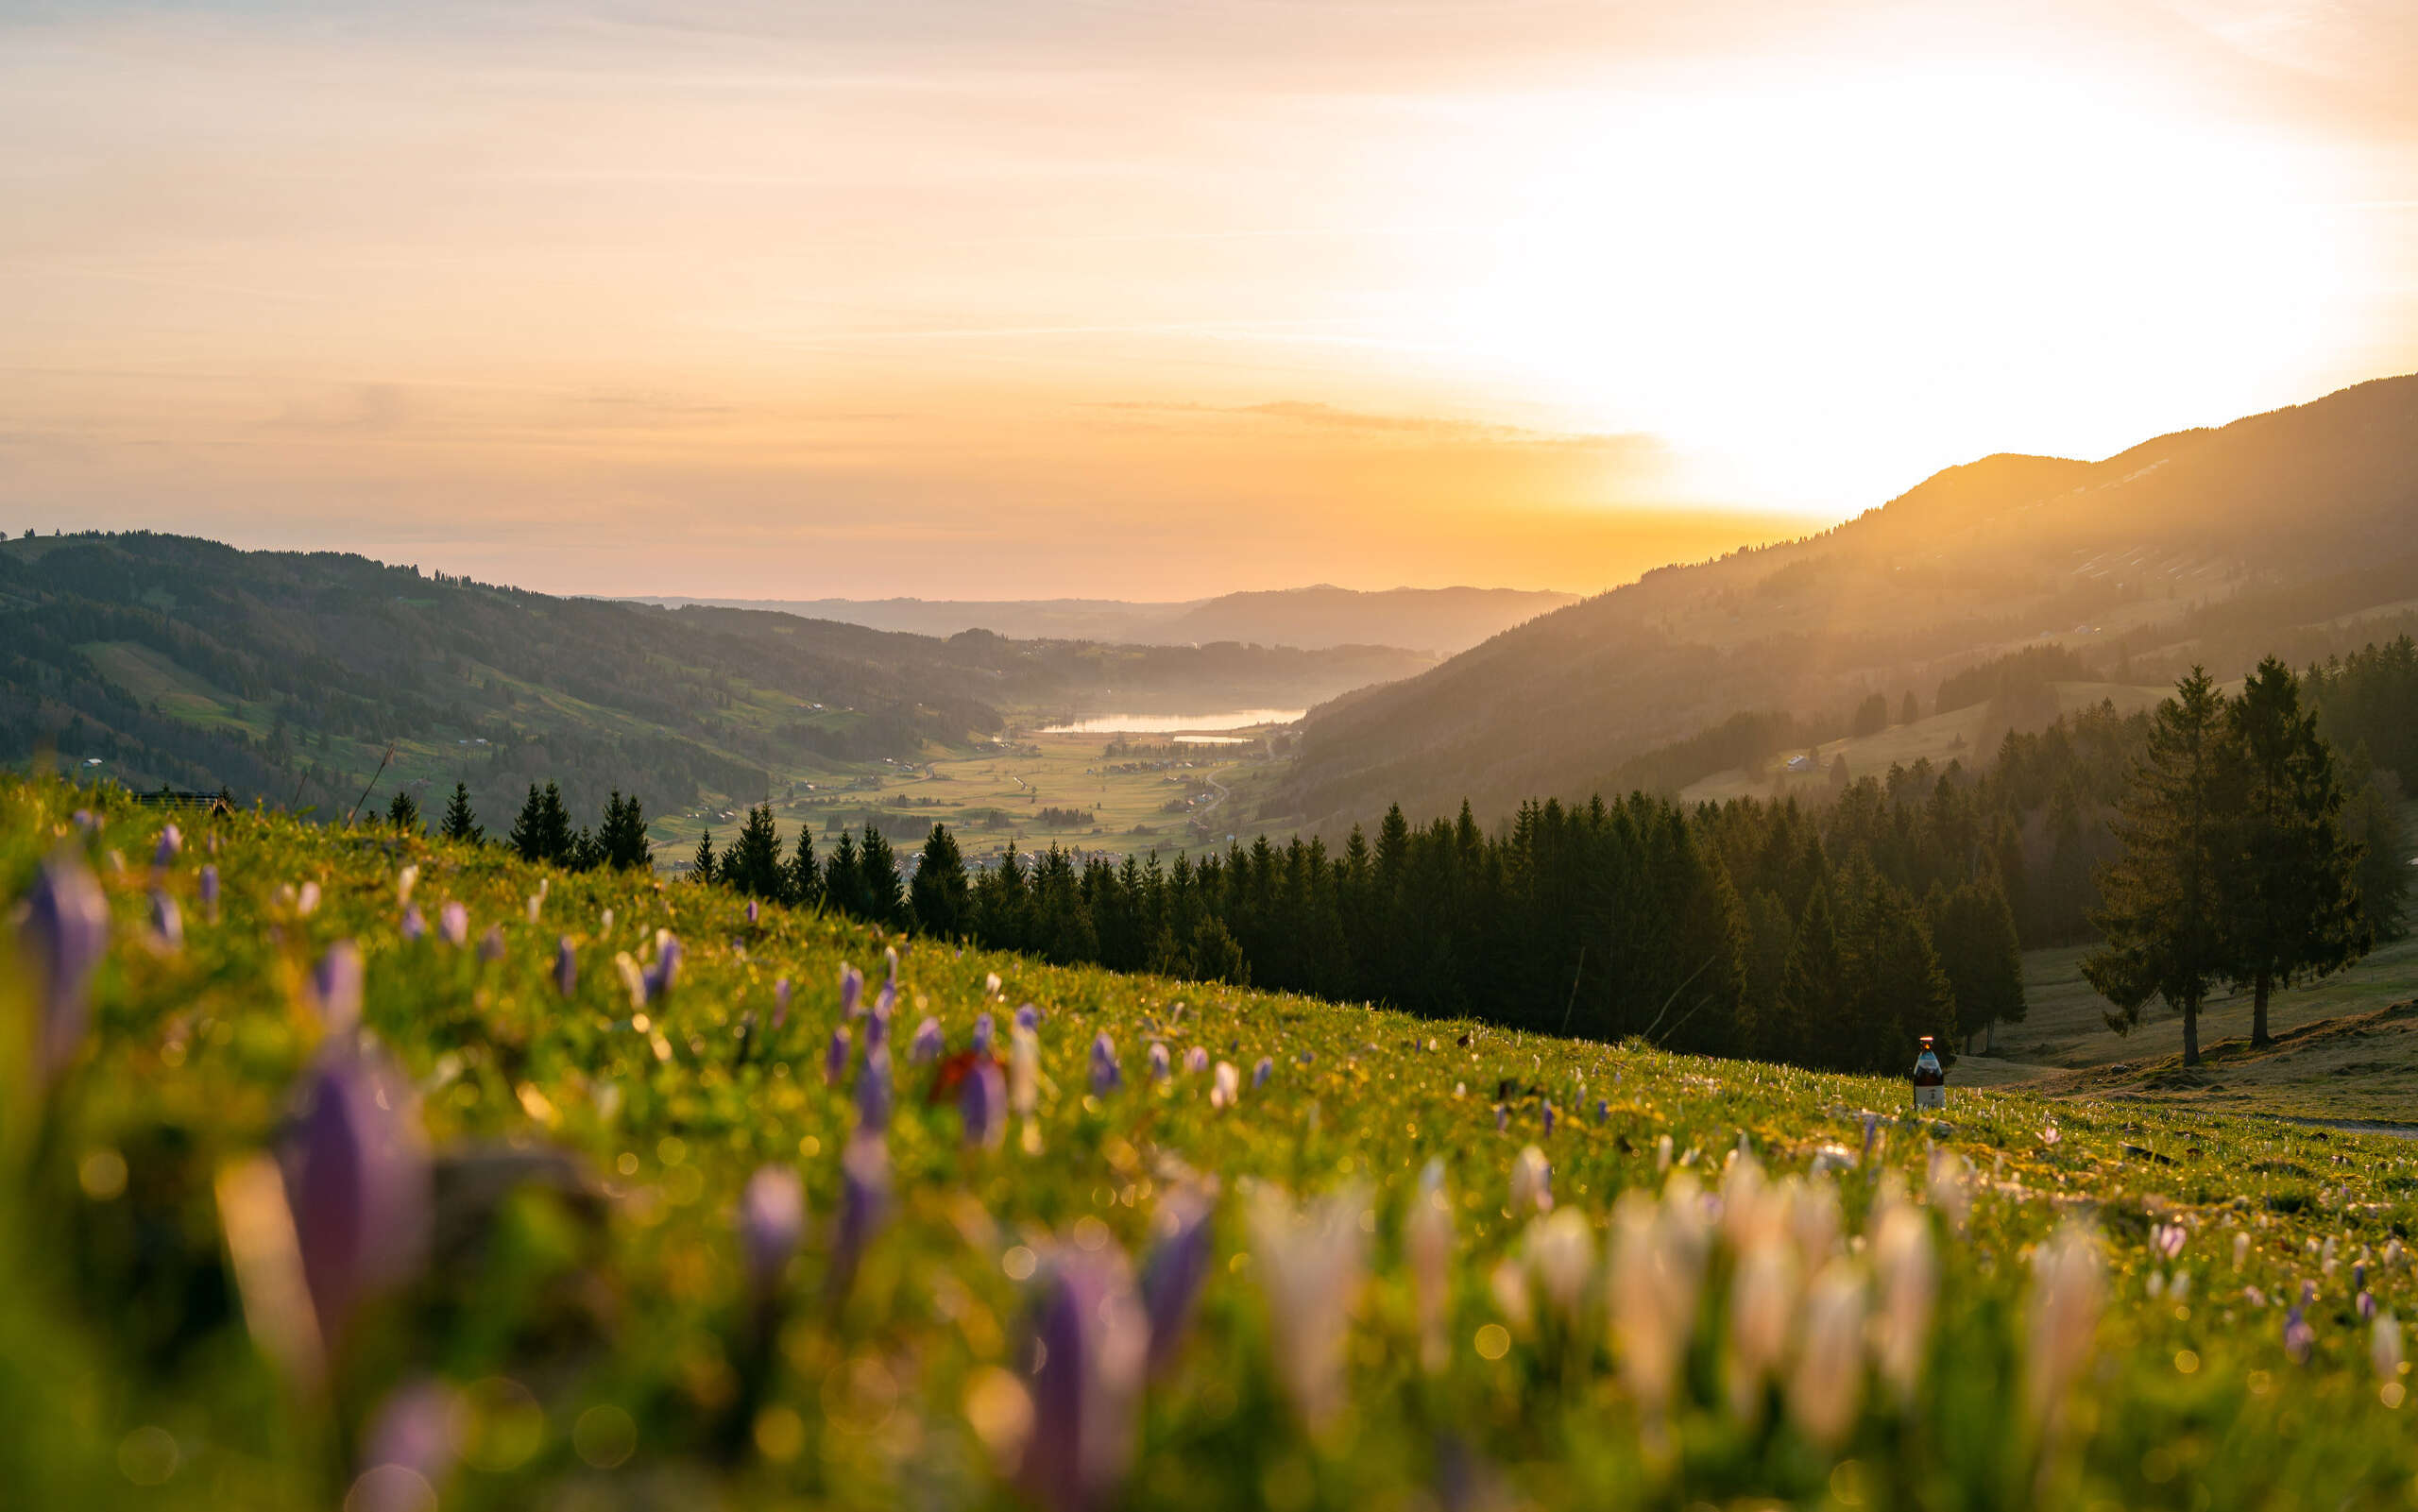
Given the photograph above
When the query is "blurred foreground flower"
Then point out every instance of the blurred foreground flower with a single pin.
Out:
(66, 931)
(927, 1043)
(780, 1002)
(873, 1089)
(1531, 1183)
(983, 1103)
(410, 1450)
(1827, 1386)
(1309, 1264)
(172, 844)
(2067, 1291)
(665, 972)
(852, 991)
(771, 1217)
(1658, 1269)
(491, 943)
(210, 891)
(414, 928)
(1195, 1060)
(566, 967)
(1427, 1247)
(1176, 1265)
(1091, 1340)
(1106, 1076)
(1160, 1067)
(453, 923)
(864, 1206)
(1907, 1274)
(356, 1183)
(1225, 1086)
(835, 1056)
(167, 924)
(1260, 1073)
(336, 988)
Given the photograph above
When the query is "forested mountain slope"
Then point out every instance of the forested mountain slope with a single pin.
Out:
(2263, 536)
(286, 675)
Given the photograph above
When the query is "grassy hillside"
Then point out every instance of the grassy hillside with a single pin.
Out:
(2020, 1303)
(2286, 533)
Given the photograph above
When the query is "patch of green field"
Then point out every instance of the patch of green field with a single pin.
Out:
(585, 1327)
(155, 680)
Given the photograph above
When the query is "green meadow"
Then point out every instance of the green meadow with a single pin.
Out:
(1436, 1264)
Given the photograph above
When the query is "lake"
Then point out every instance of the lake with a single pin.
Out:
(1234, 719)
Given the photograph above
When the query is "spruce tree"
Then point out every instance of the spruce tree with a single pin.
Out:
(1973, 928)
(2372, 821)
(587, 852)
(844, 885)
(2163, 899)
(883, 891)
(753, 863)
(938, 897)
(460, 823)
(806, 877)
(2291, 894)
(528, 838)
(404, 813)
(555, 838)
(702, 868)
(620, 840)
(1812, 1026)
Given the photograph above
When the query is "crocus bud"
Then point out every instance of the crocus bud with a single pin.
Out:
(1225, 1086)
(1427, 1245)
(491, 943)
(983, 1103)
(666, 970)
(1827, 1386)
(1160, 1068)
(414, 928)
(780, 1002)
(1531, 1183)
(2300, 1340)
(1560, 1249)
(873, 1089)
(1657, 1268)
(357, 1179)
(2384, 1348)
(410, 1449)
(991, 984)
(1023, 1070)
(405, 880)
(167, 923)
(852, 991)
(1548, 1119)
(453, 923)
(2067, 1291)
(210, 891)
(1908, 1275)
(835, 1057)
(1260, 1073)
(864, 1206)
(927, 1043)
(1178, 1262)
(336, 988)
(172, 844)
(772, 1216)
(982, 1031)
(1195, 1060)
(752, 914)
(2166, 1240)
(1092, 1341)
(566, 967)
(306, 902)
(1105, 1074)
(65, 932)
(1309, 1265)
(1027, 1017)
(2365, 1305)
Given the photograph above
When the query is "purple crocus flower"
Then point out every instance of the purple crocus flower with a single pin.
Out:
(566, 967)
(983, 1103)
(1105, 1074)
(65, 932)
(852, 991)
(835, 1059)
(336, 988)
(772, 1216)
(1178, 1262)
(927, 1043)
(780, 1002)
(357, 1179)
(2366, 1305)
(410, 1449)
(89, 822)
(1093, 1340)
(453, 923)
(752, 914)
(414, 926)
(172, 844)
(491, 943)
(1602, 1111)
(167, 922)
(1195, 1060)
(1871, 1129)
(1502, 1118)
(878, 1027)
(864, 1206)
(873, 1089)
(1027, 1017)
(1549, 1118)
(2299, 1339)
(2166, 1239)
(1161, 1067)
(982, 1031)
(209, 890)
(666, 970)
(1260, 1073)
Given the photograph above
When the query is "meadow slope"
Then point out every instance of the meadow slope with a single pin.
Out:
(1349, 1284)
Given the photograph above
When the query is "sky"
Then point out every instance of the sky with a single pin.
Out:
(1157, 298)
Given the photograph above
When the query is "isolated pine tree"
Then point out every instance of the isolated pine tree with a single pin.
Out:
(2163, 899)
(702, 867)
(2291, 893)
(404, 813)
(938, 897)
(460, 823)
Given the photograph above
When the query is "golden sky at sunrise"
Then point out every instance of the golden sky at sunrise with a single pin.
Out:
(1129, 298)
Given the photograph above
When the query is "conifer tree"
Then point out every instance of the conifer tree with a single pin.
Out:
(2372, 821)
(939, 895)
(882, 890)
(528, 837)
(2291, 895)
(753, 863)
(404, 813)
(1813, 1023)
(2162, 911)
(460, 823)
(587, 852)
(702, 867)
(843, 884)
(620, 840)
(1973, 928)
(804, 887)
(554, 837)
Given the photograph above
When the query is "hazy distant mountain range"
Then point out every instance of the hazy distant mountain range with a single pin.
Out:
(2293, 532)
(1441, 621)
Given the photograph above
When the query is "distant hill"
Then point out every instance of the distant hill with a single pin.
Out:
(1438, 620)
(2290, 532)
(286, 675)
